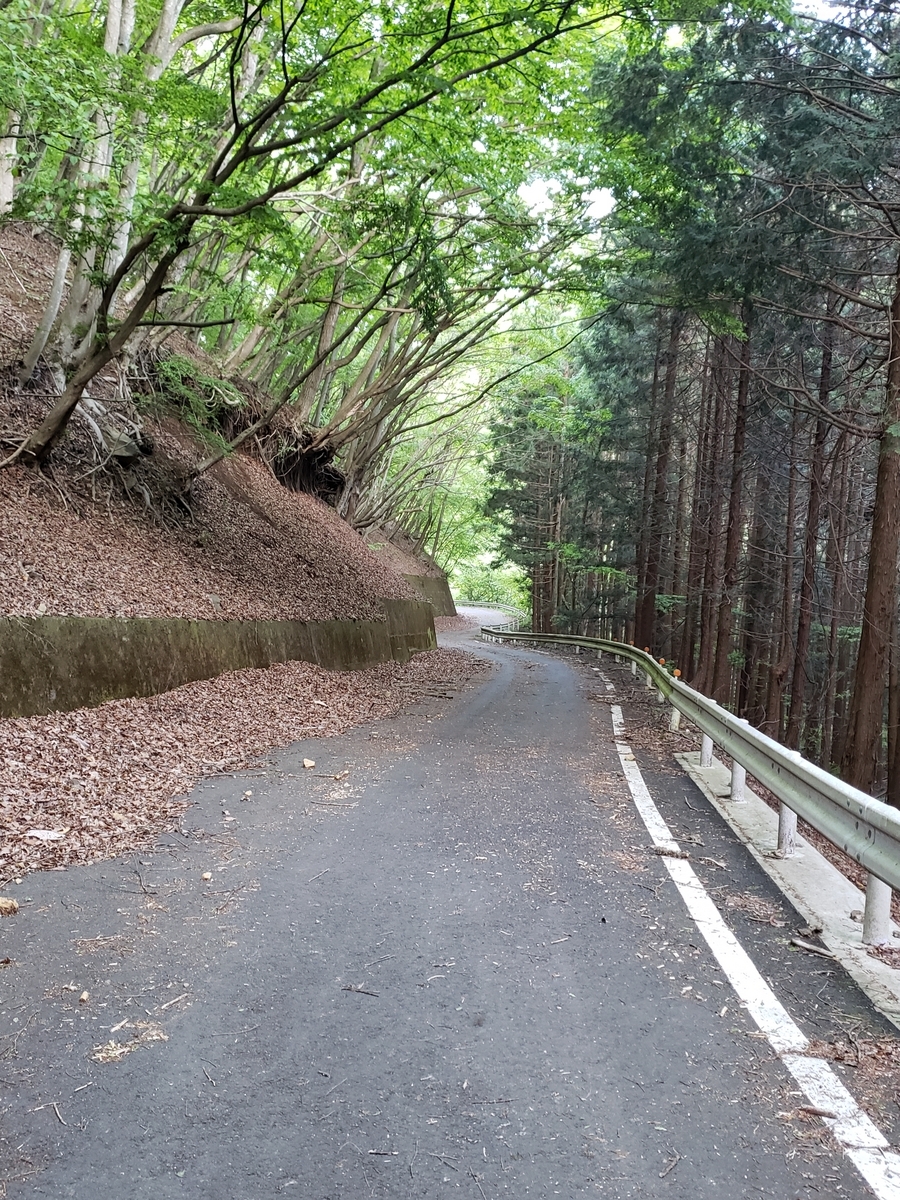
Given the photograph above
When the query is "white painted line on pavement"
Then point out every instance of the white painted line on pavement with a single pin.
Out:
(865, 1144)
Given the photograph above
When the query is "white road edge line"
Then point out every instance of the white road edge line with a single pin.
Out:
(864, 1144)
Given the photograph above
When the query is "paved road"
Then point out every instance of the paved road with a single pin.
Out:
(458, 971)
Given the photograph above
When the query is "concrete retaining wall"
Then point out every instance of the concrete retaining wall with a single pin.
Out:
(436, 591)
(56, 664)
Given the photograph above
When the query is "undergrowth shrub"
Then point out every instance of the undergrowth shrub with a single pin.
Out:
(205, 403)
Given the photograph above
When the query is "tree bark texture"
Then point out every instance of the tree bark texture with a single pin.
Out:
(721, 685)
(810, 546)
(645, 617)
(866, 716)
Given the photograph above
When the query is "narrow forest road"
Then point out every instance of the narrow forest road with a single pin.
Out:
(457, 970)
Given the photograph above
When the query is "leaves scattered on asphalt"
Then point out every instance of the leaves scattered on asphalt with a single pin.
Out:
(144, 1032)
(85, 785)
(757, 908)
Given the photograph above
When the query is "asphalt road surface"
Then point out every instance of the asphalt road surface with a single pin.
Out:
(456, 971)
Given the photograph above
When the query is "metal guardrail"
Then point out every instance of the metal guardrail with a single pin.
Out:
(864, 828)
(518, 615)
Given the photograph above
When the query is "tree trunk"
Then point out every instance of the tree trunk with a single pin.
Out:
(836, 560)
(39, 444)
(892, 792)
(678, 551)
(36, 448)
(721, 687)
(757, 600)
(699, 525)
(49, 315)
(641, 549)
(645, 616)
(702, 681)
(9, 145)
(866, 717)
(777, 675)
(76, 321)
(807, 584)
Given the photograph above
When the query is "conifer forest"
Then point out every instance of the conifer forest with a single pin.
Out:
(598, 302)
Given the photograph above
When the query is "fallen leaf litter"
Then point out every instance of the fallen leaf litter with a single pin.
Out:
(253, 550)
(109, 780)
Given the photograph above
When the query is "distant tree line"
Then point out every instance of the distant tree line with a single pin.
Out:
(720, 481)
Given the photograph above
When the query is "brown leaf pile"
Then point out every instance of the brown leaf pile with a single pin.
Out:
(886, 954)
(84, 785)
(458, 624)
(398, 550)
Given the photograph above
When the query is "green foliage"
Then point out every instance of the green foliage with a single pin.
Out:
(53, 74)
(201, 400)
(482, 582)
(548, 466)
(433, 295)
(737, 150)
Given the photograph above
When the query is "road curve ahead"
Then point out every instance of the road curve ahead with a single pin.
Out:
(456, 971)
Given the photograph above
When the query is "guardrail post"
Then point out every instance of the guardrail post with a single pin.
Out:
(648, 682)
(706, 751)
(633, 667)
(877, 918)
(738, 782)
(787, 831)
(674, 720)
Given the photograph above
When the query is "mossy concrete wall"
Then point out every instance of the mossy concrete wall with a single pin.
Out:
(436, 591)
(56, 664)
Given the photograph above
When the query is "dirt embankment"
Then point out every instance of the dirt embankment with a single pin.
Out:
(242, 547)
(398, 550)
